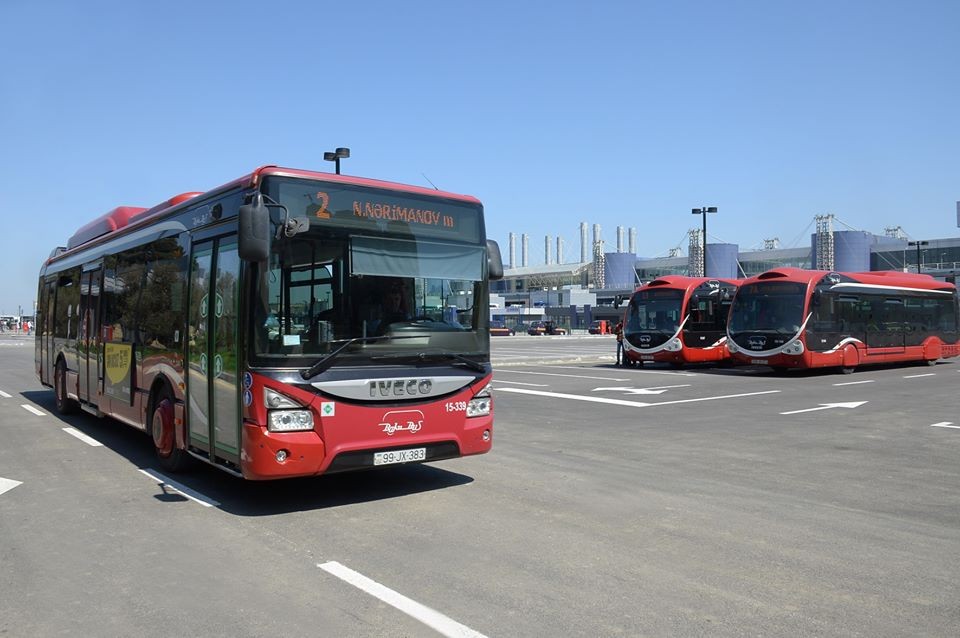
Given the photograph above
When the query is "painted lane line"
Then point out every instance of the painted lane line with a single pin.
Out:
(30, 408)
(537, 385)
(193, 495)
(83, 437)
(434, 619)
(669, 372)
(945, 424)
(8, 484)
(4, 394)
(917, 376)
(631, 390)
(829, 406)
(569, 376)
(634, 404)
(854, 382)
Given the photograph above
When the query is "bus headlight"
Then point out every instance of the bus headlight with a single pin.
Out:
(731, 346)
(285, 414)
(794, 348)
(674, 345)
(480, 404)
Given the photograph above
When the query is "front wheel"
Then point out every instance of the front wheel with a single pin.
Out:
(164, 435)
(847, 369)
(64, 404)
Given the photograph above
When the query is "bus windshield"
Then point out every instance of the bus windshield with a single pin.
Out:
(655, 310)
(370, 288)
(768, 306)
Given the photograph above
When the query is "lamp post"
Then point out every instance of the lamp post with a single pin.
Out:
(703, 211)
(918, 244)
(336, 156)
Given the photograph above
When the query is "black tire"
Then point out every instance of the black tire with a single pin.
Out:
(64, 404)
(163, 433)
(847, 369)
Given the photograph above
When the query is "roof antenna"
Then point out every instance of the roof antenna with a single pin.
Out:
(431, 183)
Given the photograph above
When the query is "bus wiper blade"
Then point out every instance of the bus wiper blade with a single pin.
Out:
(328, 360)
(425, 356)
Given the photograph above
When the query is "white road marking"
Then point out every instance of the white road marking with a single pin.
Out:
(554, 374)
(917, 376)
(30, 408)
(83, 437)
(193, 495)
(854, 382)
(538, 385)
(829, 406)
(4, 394)
(434, 619)
(8, 484)
(945, 424)
(634, 404)
(673, 373)
(628, 390)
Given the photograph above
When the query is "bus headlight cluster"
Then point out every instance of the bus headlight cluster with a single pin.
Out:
(794, 348)
(674, 345)
(284, 414)
(732, 347)
(480, 404)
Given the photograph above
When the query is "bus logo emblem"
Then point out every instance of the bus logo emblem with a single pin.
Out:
(402, 420)
(757, 343)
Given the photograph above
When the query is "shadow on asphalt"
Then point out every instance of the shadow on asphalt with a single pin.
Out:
(256, 498)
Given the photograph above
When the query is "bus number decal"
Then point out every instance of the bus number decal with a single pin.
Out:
(456, 406)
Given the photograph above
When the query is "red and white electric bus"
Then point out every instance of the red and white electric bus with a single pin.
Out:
(678, 320)
(792, 318)
(289, 323)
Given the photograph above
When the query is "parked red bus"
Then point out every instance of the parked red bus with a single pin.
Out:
(792, 318)
(678, 320)
(289, 323)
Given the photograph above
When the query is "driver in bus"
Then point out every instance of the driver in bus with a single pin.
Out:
(393, 306)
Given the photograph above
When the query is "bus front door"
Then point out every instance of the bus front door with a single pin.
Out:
(213, 398)
(88, 342)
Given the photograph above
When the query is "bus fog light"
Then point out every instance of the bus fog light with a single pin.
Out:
(289, 420)
(486, 435)
(282, 456)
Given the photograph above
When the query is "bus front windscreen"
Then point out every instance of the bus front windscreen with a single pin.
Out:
(655, 310)
(768, 307)
(370, 292)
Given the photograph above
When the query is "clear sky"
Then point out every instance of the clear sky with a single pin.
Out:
(551, 112)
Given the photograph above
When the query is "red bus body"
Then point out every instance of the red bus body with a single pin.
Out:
(678, 320)
(793, 318)
(280, 368)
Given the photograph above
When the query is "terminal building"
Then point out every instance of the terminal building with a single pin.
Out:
(575, 294)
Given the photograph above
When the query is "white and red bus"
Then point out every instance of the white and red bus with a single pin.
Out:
(289, 323)
(678, 320)
(792, 318)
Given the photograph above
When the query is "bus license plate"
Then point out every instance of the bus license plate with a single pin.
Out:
(758, 362)
(646, 357)
(399, 456)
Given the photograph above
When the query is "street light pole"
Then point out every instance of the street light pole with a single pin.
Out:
(336, 156)
(703, 211)
(918, 244)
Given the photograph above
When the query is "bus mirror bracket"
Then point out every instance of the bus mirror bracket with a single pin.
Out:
(494, 261)
(254, 230)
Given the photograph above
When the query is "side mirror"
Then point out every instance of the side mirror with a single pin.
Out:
(254, 232)
(494, 261)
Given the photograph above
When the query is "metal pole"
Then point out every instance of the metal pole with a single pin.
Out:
(918, 258)
(337, 163)
(704, 241)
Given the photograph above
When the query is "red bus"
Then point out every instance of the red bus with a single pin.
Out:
(792, 318)
(678, 320)
(288, 323)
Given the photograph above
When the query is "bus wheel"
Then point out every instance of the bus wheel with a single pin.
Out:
(64, 404)
(165, 437)
(930, 362)
(847, 369)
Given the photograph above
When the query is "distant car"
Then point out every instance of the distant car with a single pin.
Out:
(600, 327)
(546, 328)
(500, 329)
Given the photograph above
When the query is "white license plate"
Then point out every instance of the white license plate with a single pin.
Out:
(758, 362)
(646, 357)
(399, 456)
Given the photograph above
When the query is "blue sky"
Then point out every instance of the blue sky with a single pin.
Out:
(552, 113)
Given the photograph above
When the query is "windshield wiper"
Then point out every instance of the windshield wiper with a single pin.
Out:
(426, 356)
(328, 360)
